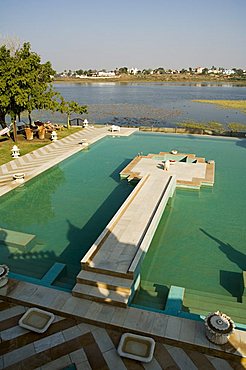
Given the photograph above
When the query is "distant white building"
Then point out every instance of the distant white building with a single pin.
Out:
(106, 74)
(228, 72)
(133, 71)
(214, 71)
(199, 70)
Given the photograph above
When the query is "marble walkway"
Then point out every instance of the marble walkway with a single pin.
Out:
(71, 344)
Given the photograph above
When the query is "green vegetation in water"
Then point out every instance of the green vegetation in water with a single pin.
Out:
(210, 126)
(227, 104)
(214, 127)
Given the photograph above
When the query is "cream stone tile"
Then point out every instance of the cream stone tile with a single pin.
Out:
(86, 328)
(153, 365)
(113, 360)
(17, 355)
(12, 311)
(106, 313)
(93, 311)
(78, 356)
(70, 305)
(119, 316)
(85, 365)
(132, 318)
(48, 342)
(146, 322)
(71, 333)
(188, 331)
(181, 358)
(60, 363)
(13, 332)
(159, 325)
(173, 327)
(219, 363)
(200, 337)
(59, 301)
(103, 340)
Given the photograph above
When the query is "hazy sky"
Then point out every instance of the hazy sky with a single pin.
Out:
(74, 34)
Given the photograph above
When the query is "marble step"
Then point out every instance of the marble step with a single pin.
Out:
(100, 295)
(105, 281)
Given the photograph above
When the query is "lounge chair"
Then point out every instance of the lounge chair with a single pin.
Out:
(115, 128)
(6, 130)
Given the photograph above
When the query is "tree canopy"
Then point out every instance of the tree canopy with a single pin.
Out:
(71, 107)
(25, 85)
(25, 82)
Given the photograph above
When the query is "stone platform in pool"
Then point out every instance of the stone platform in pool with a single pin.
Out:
(111, 268)
(190, 171)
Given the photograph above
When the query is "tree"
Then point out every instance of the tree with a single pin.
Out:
(25, 83)
(69, 108)
(6, 66)
(123, 70)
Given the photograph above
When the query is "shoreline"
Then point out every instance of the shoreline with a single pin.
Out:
(152, 79)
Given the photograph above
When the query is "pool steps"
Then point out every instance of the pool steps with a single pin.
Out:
(104, 281)
(114, 255)
(204, 305)
(99, 294)
(194, 302)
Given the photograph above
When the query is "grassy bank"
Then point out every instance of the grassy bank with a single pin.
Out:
(25, 146)
(226, 104)
(179, 78)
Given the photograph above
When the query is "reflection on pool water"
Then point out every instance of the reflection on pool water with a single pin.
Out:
(200, 241)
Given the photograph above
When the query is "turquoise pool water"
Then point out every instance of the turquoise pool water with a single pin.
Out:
(200, 240)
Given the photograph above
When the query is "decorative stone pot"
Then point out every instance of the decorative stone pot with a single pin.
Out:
(4, 270)
(219, 327)
(19, 178)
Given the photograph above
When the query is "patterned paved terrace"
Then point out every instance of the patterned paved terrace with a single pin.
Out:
(72, 344)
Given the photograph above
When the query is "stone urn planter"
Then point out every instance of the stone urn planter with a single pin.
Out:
(29, 133)
(19, 178)
(219, 327)
(4, 270)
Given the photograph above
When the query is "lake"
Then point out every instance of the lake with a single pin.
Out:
(150, 104)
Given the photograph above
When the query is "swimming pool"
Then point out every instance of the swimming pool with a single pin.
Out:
(68, 207)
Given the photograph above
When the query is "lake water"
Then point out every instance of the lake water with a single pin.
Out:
(157, 104)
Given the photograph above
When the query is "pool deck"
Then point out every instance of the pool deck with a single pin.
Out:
(181, 343)
(182, 334)
(40, 160)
